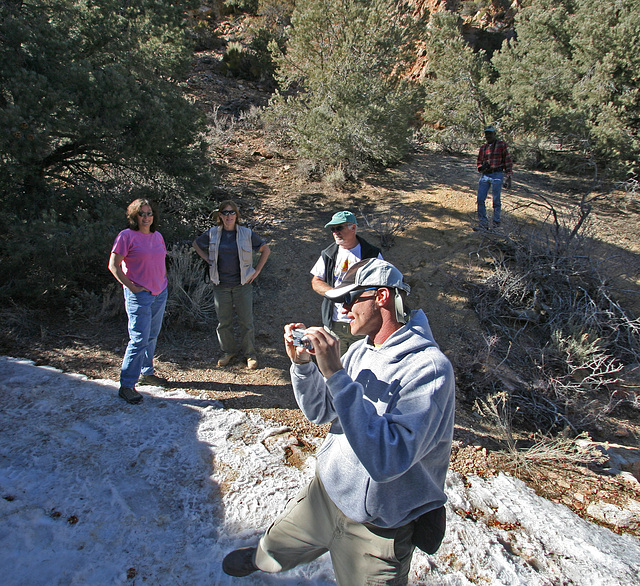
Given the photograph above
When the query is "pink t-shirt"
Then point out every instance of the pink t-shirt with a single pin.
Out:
(144, 258)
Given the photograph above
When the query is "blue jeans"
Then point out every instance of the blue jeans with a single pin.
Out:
(493, 181)
(145, 312)
(225, 299)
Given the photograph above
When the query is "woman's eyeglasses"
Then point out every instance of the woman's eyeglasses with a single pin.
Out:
(228, 212)
(145, 214)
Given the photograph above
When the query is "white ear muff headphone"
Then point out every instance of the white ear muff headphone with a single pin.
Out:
(400, 313)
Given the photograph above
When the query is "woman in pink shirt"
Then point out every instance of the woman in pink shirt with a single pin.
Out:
(138, 262)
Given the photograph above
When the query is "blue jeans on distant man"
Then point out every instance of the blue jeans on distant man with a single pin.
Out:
(145, 312)
(493, 181)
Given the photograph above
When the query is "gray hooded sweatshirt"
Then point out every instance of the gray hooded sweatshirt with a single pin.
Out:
(391, 410)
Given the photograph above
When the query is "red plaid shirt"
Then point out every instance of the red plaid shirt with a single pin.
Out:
(497, 155)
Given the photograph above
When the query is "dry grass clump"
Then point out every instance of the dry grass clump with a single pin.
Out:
(191, 301)
(388, 222)
(539, 450)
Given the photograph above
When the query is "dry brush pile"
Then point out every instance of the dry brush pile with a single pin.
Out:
(558, 347)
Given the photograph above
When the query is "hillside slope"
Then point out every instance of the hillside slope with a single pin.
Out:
(433, 197)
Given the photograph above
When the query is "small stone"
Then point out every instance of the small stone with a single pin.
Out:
(622, 431)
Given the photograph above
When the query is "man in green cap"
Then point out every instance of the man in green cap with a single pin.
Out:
(347, 249)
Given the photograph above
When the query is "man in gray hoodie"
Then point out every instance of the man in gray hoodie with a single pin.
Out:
(379, 484)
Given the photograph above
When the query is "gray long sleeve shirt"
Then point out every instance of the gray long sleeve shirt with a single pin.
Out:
(392, 410)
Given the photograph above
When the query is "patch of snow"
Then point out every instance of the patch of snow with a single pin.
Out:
(94, 491)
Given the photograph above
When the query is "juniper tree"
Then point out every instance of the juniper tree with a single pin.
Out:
(455, 105)
(344, 100)
(571, 78)
(91, 113)
(89, 89)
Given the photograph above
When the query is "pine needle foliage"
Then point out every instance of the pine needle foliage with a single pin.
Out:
(571, 80)
(455, 105)
(92, 115)
(90, 88)
(343, 99)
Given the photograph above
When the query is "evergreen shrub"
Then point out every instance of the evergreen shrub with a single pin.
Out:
(343, 99)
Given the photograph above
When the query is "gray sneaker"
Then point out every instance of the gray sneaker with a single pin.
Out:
(152, 379)
(130, 395)
(240, 562)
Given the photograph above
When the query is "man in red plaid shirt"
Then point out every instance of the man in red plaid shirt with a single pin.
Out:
(493, 163)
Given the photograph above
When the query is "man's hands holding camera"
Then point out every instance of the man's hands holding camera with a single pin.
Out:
(484, 167)
(301, 343)
(297, 352)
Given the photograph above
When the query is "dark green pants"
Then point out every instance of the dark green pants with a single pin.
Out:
(240, 298)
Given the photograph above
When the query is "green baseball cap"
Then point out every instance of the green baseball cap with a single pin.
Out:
(345, 217)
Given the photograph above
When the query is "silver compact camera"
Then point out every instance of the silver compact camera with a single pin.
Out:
(299, 339)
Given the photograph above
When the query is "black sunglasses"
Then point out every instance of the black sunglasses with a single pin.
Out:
(228, 212)
(338, 228)
(351, 297)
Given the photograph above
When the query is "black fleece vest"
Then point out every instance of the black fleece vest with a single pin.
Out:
(329, 255)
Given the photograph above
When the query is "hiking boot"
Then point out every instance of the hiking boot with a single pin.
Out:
(130, 395)
(152, 379)
(240, 562)
(252, 363)
(226, 358)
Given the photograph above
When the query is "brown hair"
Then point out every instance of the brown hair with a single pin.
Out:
(132, 213)
(232, 204)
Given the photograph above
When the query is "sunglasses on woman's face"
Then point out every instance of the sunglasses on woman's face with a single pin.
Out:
(145, 214)
(228, 212)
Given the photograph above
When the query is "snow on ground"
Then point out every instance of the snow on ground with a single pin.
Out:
(98, 492)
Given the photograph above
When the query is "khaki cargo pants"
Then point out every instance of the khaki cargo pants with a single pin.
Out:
(312, 525)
